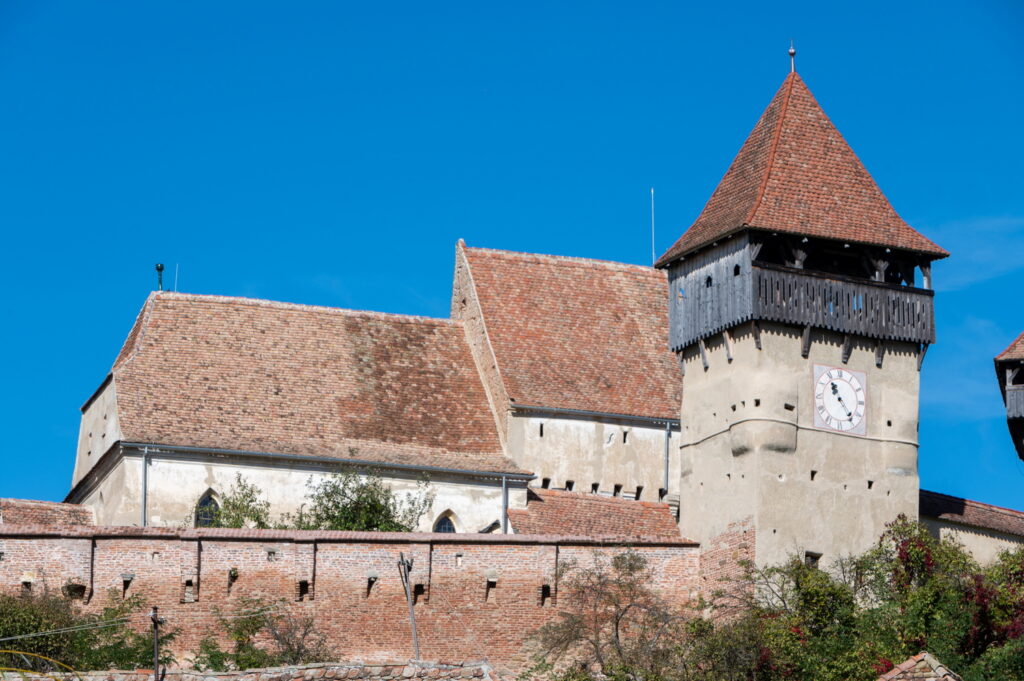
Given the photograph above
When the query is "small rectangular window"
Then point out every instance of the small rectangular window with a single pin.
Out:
(811, 559)
(617, 491)
(545, 483)
(569, 484)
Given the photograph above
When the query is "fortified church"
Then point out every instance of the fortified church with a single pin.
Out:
(752, 396)
(763, 376)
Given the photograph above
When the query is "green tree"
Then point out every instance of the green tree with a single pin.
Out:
(114, 638)
(360, 503)
(242, 506)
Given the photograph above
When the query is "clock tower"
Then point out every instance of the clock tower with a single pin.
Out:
(801, 308)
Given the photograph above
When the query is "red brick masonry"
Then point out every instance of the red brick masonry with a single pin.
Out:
(478, 596)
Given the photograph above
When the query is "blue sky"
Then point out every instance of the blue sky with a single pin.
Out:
(332, 153)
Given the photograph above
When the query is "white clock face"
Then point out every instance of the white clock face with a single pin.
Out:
(840, 399)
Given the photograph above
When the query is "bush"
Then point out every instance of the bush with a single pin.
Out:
(100, 641)
(262, 634)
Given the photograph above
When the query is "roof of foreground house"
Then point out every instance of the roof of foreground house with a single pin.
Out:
(551, 511)
(574, 333)
(920, 667)
(254, 375)
(1014, 351)
(973, 513)
(796, 174)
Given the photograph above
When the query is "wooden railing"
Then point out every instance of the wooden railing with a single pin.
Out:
(1015, 401)
(843, 304)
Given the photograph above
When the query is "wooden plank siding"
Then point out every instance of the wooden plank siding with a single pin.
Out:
(723, 287)
(1015, 402)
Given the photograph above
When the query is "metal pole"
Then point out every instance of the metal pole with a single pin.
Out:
(145, 484)
(504, 505)
(668, 436)
(156, 644)
(403, 568)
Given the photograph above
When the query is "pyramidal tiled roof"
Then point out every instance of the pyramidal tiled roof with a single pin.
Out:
(1015, 351)
(796, 174)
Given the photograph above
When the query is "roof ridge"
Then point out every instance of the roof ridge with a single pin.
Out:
(1010, 347)
(568, 259)
(262, 302)
(776, 134)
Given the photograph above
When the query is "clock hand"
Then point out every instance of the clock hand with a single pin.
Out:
(835, 391)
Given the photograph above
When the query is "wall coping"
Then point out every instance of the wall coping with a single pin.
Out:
(225, 534)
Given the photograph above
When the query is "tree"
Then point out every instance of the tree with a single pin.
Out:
(288, 638)
(242, 506)
(360, 503)
(104, 640)
(615, 624)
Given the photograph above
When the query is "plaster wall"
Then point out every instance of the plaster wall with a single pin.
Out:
(176, 483)
(589, 451)
(984, 545)
(750, 449)
(99, 429)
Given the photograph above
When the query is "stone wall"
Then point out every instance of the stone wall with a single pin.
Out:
(476, 596)
(313, 672)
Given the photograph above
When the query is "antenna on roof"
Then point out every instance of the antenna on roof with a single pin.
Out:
(792, 57)
(653, 257)
(159, 276)
(175, 277)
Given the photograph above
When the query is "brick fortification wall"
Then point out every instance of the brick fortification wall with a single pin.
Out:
(723, 556)
(312, 672)
(477, 596)
(27, 512)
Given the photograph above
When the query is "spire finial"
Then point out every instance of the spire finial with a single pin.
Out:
(792, 57)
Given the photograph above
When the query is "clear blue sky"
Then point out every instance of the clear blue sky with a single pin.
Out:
(332, 153)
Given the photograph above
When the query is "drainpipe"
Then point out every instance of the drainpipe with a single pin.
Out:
(145, 483)
(504, 505)
(668, 436)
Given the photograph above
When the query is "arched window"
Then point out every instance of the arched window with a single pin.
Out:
(444, 524)
(206, 510)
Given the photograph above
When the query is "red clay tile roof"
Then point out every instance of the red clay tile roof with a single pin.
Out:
(973, 513)
(591, 515)
(242, 374)
(920, 667)
(578, 334)
(796, 174)
(32, 512)
(1015, 351)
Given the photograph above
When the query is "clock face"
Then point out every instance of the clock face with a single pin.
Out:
(840, 399)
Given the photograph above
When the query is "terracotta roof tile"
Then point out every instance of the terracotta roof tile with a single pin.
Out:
(578, 334)
(592, 515)
(920, 667)
(243, 374)
(1014, 351)
(973, 513)
(795, 173)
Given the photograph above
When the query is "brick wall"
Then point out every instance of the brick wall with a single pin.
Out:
(339, 670)
(721, 557)
(26, 512)
(478, 596)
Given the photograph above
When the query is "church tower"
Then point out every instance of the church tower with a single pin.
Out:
(800, 322)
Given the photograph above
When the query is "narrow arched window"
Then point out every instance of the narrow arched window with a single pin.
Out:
(206, 511)
(444, 524)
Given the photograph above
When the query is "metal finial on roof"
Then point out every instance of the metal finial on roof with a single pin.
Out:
(159, 276)
(792, 57)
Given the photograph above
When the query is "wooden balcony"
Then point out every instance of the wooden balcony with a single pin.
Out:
(843, 304)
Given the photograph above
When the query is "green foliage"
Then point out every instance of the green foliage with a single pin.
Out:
(360, 503)
(262, 634)
(242, 506)
(910, 593)
(106, 640)
(346, 500)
